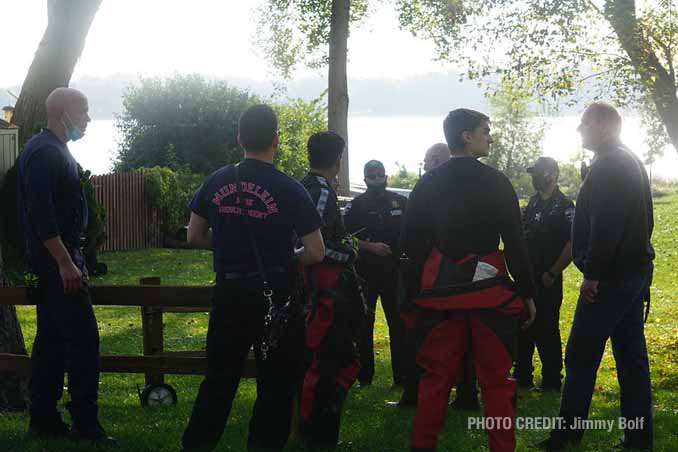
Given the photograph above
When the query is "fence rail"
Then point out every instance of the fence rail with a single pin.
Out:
(154, 300)
(131, 221)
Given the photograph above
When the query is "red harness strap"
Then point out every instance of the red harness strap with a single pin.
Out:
(448, 285)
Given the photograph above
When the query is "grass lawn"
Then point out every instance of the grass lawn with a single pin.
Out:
(368, 424)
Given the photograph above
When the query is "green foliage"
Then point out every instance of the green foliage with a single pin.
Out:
(298, 120)
(95, 235)
(180, 121)
(561, 50)
(170, 191)
(403, 178)
(298, 31)
(96, 220)
(517, 133)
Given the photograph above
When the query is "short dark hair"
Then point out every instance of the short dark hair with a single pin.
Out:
(459, 121)
(325, 149)
(257, 128)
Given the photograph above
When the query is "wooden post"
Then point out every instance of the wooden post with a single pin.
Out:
(151, 321)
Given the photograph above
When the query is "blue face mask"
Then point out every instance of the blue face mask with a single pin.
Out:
(72, 132)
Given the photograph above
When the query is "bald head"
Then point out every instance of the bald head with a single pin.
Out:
(66, 108)
(63, 99)
(436, 155)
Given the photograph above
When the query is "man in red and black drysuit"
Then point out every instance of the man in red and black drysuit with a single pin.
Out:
(457, 214)
(336, 307)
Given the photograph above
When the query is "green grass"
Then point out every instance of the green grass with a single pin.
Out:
(367, 424)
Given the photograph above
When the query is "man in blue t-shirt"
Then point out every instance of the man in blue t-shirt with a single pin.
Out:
(250, 215)
(53, 214)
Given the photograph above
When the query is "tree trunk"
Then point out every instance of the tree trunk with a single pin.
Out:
(13, 389)
(337, 112)
(68, 22)
(658, 80)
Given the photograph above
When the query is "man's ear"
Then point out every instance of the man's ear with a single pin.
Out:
(276, 141)
(466, 136)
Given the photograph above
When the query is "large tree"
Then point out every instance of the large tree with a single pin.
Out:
(563, 50)
(314, 33)
(68, 22)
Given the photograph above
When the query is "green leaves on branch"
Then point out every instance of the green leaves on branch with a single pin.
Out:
(290, 32)
(517, 133)
(403, 178)
(297, 121)
(561, 51)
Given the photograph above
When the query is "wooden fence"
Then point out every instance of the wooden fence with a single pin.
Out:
(131, 222)
(154, 300)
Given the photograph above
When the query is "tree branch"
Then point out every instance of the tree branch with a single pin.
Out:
(597, 74)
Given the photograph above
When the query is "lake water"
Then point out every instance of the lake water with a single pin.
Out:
(391, 139)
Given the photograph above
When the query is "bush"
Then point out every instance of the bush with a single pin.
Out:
(180, 122)
(170, 191)
(403, 178)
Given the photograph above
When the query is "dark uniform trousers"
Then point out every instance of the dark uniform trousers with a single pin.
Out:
(67, 340)
(618, 315)
(382, 283)
(544, 333)
(236, 323)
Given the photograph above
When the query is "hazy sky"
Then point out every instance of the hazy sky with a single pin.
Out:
(211, 37)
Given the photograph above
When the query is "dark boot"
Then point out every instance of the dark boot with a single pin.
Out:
(558, 440)
(96, 435)
(86, 426)
(47, 427)
(629, 445)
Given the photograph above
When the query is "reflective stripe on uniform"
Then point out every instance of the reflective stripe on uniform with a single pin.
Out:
(322, 202)
(337, 256)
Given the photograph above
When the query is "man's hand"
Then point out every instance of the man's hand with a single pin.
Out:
(380, 249)
(530, 312)
(589, 290)
(71, 276)
(547, 280)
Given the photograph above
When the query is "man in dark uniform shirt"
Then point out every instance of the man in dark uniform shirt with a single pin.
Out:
(456, 216)
(375, 217)
(611, 246)
(547, 220)
(54, 219)
(278, 210)
(336, 307)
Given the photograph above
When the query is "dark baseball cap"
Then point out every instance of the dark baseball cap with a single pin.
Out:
(544, 165)
(373, 165)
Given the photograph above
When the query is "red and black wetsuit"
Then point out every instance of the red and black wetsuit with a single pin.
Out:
(456, 216)
(333, 321)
